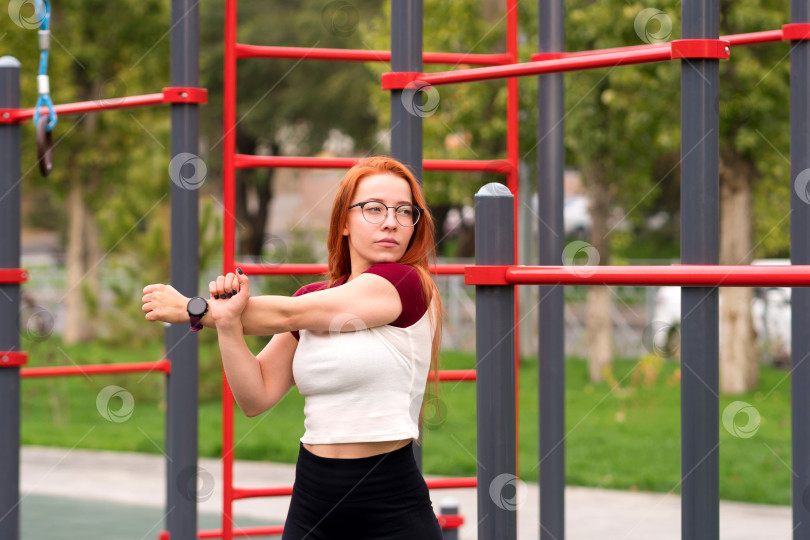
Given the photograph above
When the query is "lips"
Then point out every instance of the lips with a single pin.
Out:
(388, 242)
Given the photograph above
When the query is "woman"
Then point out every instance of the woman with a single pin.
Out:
(358, 346)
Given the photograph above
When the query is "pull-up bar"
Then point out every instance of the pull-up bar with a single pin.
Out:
(686, 275)
(246, 161)
(168, 95)
(563, 62)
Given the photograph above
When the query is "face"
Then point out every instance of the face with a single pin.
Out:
(371, 243)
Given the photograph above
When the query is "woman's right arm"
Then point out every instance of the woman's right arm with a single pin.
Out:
(257, 382)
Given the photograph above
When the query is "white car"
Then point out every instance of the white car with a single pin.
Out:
(576, 216)
(770, 312)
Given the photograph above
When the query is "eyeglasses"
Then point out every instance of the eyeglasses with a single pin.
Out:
(375, 212)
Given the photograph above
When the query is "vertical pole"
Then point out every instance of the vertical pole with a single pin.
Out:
(228, 246)
(551, 355)
(700, 505)
(498, 487)
(449, 507)
(800, 254)
(10, 302)
(181, 413)
(406, 122)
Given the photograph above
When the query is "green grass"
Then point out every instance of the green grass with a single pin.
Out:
(623, 435)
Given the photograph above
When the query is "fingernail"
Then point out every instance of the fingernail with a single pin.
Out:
(234, 291)
(229, 295)
(239, 270)
(216, 296)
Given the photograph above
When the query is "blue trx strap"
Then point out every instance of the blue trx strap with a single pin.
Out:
(43, 85)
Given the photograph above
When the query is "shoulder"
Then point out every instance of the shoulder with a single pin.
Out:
(396, 273)
(406, 280)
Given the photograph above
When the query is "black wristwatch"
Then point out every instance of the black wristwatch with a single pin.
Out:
(197, 307)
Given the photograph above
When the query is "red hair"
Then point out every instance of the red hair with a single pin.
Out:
(420, 248)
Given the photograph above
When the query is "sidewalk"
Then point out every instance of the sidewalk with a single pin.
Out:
(109, 482)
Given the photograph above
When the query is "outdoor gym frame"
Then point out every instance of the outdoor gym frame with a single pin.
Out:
(494, 275)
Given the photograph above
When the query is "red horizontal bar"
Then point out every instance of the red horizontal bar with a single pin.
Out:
(593, 61)
(356, 55)
(283, 491)
(451, 483)
(316, 269)
(13, 358)
(168, 95)
(13, 275)
(163, 366)
(241, 532)
(769, 36)
(679, 275)
(245, 161)
(450, 521)
(454, 375)
(249, 493)
(753, 38)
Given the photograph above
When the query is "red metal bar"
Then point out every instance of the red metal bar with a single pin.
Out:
(228, 247)
(454, 375)
(244, 161)
(513, 183)
(275, 491)
(283, 491)
(163, 366)
(451, 483)
(316, 269)
(13, 358)
(450, 521)
(356, 55)
(769, 36)
(168, 95)
(13, 275)
(753, 38)
(242, 532)
(679, 275)
(594, 61)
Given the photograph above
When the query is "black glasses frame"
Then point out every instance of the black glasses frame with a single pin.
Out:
(416, 208)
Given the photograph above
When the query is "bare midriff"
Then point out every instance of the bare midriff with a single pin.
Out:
(355, 450)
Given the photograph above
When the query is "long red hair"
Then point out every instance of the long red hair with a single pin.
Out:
(420, 248)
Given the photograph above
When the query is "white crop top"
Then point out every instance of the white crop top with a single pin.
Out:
(366, 385)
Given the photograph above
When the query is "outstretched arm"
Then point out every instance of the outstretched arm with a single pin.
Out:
(364, 302)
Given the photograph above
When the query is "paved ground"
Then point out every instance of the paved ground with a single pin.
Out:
(72, 494)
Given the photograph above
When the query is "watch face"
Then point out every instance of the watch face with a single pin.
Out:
(197, 306)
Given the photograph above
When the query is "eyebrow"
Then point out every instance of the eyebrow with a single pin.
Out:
(382, 201)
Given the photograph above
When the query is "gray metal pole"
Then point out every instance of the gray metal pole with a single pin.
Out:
(551, 356)
(800, 254)
(495, 368)
(10, 175)
(181, 414)
(700, 504)
(449, 507)
(406, 118)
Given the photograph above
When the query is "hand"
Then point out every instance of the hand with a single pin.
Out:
(229, 296)
(163, 303)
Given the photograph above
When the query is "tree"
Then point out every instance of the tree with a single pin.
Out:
(96, 55)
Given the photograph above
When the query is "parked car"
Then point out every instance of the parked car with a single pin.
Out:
(770, 313)
(576, 216)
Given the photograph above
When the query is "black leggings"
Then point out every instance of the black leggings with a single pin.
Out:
(377, 497)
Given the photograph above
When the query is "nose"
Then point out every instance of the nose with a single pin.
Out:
(390, 220)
